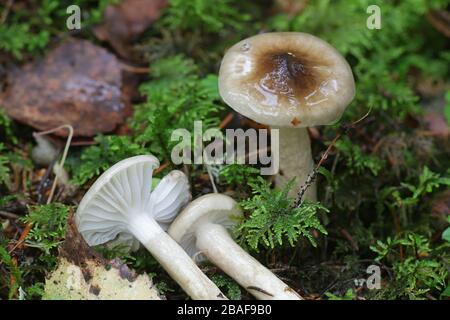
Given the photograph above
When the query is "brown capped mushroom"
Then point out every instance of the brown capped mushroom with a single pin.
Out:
(290, 81)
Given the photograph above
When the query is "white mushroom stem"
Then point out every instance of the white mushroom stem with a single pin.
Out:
(295, 160)
(214, 241)
(173, 259)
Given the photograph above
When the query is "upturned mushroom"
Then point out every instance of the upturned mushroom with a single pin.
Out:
(201, 229)
(121, 208)
(289, 81)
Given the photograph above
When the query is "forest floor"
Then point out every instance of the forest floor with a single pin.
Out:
(137, 70)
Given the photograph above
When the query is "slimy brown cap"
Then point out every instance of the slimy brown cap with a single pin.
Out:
(286, 79)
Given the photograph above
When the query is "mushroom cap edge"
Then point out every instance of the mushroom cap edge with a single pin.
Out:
(101, 182)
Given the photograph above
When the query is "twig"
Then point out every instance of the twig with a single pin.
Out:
(60, 192)
(22, 237)
(52, 192)
(211, 178)
(84, 143)
(161, 167)
(8, 215)
(226, 120)
(344, 129)
(133, 69)
(440, 19)
(349, 238)
(43, 183)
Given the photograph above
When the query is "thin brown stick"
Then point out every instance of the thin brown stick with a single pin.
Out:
(83, 143)
(133, 69)
(211, 178)
(28, 227)
(22, 237)
(161, 168)
(64, 156)
(8, 215)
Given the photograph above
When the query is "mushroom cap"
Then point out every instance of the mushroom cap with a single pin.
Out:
(214, 208)
(124, 191)
(76, 83)
(286, 79)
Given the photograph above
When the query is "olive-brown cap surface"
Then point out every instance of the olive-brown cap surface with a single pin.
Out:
(286, 79)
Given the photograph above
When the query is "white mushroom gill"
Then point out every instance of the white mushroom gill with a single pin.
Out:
(121, 208)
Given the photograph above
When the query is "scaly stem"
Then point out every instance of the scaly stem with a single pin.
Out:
(174, 259)
(214, 241)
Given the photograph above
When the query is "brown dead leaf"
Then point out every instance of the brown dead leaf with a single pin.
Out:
(83, 274)
(77, 83)
(75, 249)
(127, 19)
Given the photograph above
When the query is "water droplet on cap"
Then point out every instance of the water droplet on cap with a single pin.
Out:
(245, 46)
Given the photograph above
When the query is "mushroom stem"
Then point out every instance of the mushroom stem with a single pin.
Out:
(214, 241)
(295, 160)
(174, 259)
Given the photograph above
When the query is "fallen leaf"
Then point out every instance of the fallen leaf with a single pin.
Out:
(82, 274)
(77, 83)
(124, 21)
(105, 282)
(440, 19)
(291, 7)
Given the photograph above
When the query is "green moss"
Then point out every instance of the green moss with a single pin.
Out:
(204, 16)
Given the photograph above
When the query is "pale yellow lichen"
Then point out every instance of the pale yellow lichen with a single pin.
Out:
(95, 282)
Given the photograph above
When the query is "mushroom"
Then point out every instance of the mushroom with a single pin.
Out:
(77, 83)
(120, 207)
(201, 229)
(289, 81)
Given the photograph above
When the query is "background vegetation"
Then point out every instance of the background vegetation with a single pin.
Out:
(383, 190)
